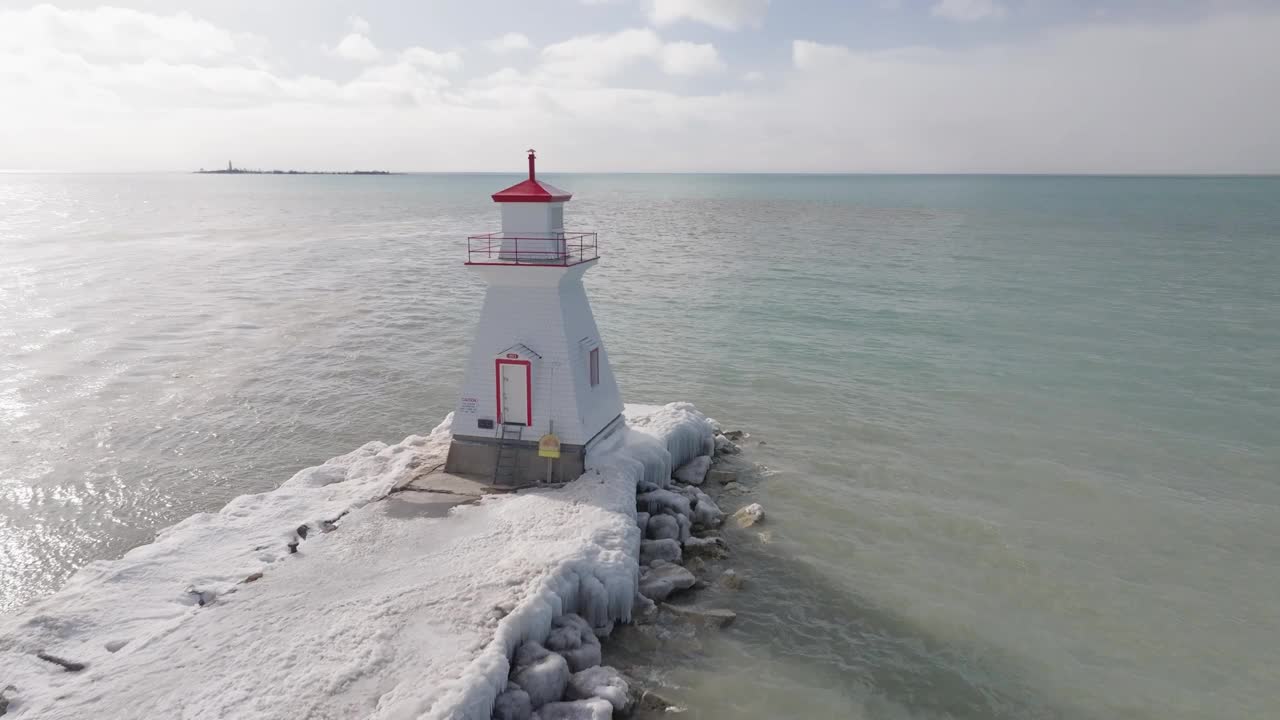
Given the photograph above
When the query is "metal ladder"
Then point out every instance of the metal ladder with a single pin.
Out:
(504, 468)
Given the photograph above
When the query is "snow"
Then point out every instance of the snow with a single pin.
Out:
(363, 613)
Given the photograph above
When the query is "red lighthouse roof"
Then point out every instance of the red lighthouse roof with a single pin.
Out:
(532, 190)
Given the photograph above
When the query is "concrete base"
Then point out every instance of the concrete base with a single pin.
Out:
(476, 457)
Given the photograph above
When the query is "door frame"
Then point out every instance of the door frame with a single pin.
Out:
(528, 385)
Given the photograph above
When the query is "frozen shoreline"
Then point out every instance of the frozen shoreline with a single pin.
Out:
(313, 600)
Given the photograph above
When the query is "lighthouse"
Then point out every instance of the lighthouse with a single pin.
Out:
(538, 389)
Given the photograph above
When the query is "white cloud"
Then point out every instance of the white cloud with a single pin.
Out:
(357, 48)
(119, 33)
(967, 10)
(1174, 97)
(723, 14)
(753, 76)
(431, 59)
(593, 58)
(686, 58)
(358, 25)
(509, 42)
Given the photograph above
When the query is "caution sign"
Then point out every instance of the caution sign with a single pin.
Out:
(549, 446)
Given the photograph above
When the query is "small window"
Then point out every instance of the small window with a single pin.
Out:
(594, 364)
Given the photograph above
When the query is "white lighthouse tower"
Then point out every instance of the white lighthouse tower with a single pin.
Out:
(537, 366)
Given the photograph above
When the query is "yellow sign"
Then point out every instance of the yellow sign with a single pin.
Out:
(549, 446)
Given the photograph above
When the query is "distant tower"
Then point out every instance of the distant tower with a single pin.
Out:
(537, 363)
(229, 168)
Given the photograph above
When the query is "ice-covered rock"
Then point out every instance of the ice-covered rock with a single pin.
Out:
(593, 709)
(694, 471)
(749, 515)
(512, 704)
(724, 446)
(662, 578)
(705, 511)
(651, 550)
(722, 475)
(601, 682)
(663, 527)
(686, 527)
(658, 501)
(642, 521)
(573, 638)
(540, 673)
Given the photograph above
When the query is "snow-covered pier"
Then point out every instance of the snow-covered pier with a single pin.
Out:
(333, 597)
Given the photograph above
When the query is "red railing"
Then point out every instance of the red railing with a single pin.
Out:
(554, 249)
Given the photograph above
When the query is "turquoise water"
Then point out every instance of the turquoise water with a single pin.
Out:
(1023, 433)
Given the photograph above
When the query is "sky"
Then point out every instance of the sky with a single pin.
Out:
(910, 86)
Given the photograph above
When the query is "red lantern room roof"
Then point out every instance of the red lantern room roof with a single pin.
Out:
(532, 190)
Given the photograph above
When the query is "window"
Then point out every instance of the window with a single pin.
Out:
(593, 362)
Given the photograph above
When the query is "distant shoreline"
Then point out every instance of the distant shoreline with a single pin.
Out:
(240, 171)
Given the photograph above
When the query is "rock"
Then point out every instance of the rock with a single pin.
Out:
(734, 487)
(642, 521)
(651, 550)
(722, 476)
(643, 610)
(715, 617)
(593, 709)
(663, 527)
(575, 640)
(706, 547)
(736, 435)
(705, 511)
(540, 673)
(512, 704)
(749, 515)
(644, 486)
(694, 471)
(726, 447)
(602, 682)
(686, 527)
(731, 579)
(657, 501)
(661, 579)
(695, 564)
(688, 491)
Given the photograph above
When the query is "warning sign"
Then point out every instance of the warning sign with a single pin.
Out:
(549, 446)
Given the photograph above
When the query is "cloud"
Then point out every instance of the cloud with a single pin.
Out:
(119, 33)
(722, 14)
(686, 58)
(1187, 96)
(594, 58)
(967, 10)
(509, 42)
(358, 25)
(357, 48)
(443, 61)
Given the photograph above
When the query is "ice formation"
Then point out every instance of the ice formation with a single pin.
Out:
(313, 600)
(694, 471)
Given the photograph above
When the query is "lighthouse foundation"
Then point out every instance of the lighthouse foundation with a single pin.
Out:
(477, 457)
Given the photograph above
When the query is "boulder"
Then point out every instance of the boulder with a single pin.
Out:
(658, 501)
(694, 471)
(661, 579)
(713, 547)
(686, 527)
(714, 617)
(602, 682)
(734, 487)
(731, 579)
(725, 447)
(663, 527)
(642, 521)
(706, 512)
(593, 709)
(512, 704)
(651, 550)
(643, 610)
(644, 486)
(736, 435)
(749, 515)
(540, 673)
(722, 476)
(575, 640)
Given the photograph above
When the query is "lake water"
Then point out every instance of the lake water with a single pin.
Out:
(1023, 433)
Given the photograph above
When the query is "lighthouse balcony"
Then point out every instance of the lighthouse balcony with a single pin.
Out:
(557, 249)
